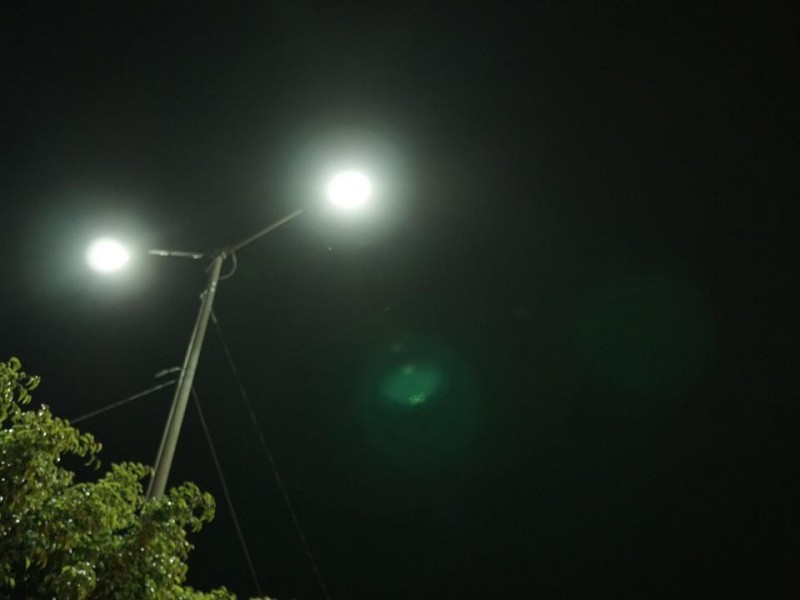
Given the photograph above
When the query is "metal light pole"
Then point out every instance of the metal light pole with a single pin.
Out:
(172, 429)
(169, 440)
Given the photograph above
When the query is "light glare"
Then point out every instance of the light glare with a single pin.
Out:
(106, 255)
(349, 189)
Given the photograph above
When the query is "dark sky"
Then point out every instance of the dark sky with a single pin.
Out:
(554, 358)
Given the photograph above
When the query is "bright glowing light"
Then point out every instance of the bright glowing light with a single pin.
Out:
(106, 255)
(349, 189)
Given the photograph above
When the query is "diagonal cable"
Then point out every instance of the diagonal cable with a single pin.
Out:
(225, 491)
(119, 403)
(271, 461)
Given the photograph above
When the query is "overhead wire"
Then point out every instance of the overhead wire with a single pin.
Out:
(119, 403)
(226, 493)
(265, 447)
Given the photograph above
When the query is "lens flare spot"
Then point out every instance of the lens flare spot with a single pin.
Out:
(415, 399)
(411, 384)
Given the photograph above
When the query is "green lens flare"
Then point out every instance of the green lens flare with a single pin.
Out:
(418, 408)
(411, 383)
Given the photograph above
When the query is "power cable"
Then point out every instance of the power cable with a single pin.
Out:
(320, 582)
(225, 491)
(119, 403)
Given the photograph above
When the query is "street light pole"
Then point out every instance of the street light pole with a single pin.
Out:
(172, 430)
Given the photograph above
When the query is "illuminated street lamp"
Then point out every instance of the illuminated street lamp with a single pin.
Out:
(348, 189)
(106, 255)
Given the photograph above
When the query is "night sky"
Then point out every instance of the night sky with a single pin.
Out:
(555, 356)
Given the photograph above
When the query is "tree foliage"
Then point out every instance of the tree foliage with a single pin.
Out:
(84, 540)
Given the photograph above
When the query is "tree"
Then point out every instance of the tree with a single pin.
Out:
(81, 541)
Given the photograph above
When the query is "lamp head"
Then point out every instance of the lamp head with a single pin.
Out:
(106, 255)
(349, 189)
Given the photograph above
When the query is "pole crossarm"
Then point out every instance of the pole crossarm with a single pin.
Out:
(264, 231)
(230, 249)
(178, 254)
